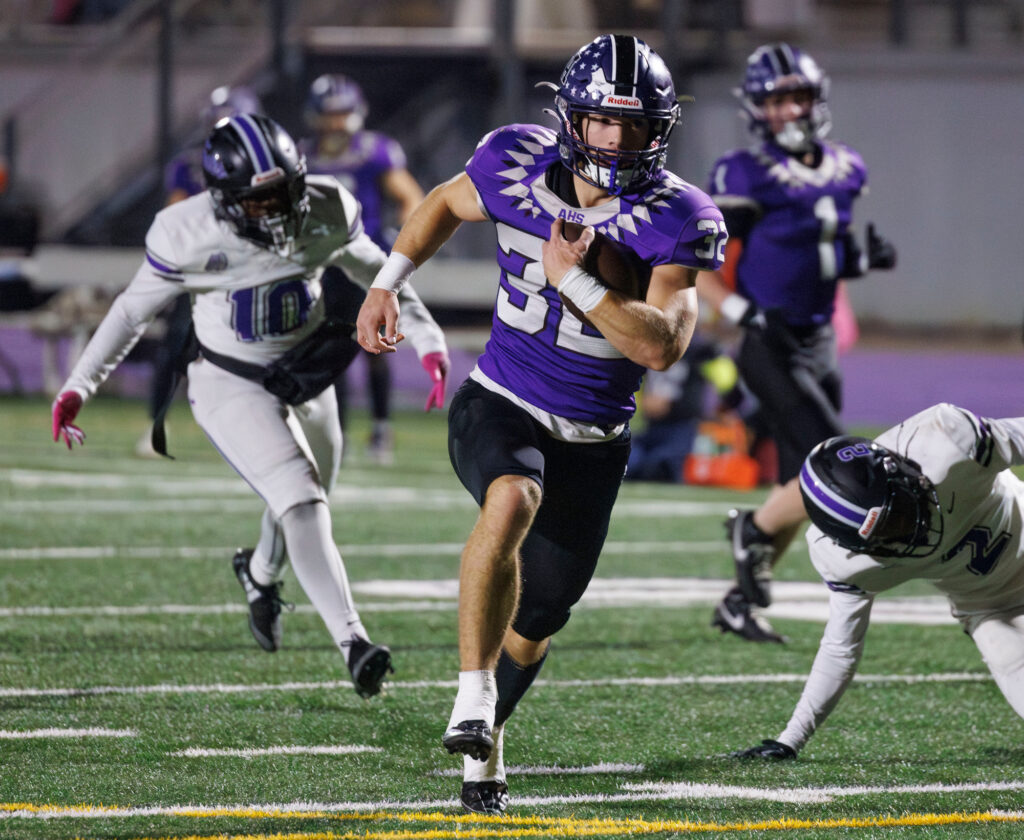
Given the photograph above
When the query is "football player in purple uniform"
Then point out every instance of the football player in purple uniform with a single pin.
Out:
(251, 251)
(539, 432)
(934, 499)
(372, 167)
(788, 203)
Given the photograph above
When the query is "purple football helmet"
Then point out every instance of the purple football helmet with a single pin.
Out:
(620, 76)
(871, 500)
(257, 180)
(334, 93)
(779, 68)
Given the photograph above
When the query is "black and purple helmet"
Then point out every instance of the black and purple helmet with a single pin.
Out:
(869, 499)
(257, 179)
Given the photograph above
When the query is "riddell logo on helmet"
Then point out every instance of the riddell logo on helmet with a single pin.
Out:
(266, 177)
(622, 102)
(870, 521)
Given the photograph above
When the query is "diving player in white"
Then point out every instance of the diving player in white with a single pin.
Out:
(931, 499)
(251, 250)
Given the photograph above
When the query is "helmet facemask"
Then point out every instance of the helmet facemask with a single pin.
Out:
(615, 170)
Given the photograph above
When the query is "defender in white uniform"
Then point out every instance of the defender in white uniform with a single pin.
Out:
(251, 251)
(930, 499)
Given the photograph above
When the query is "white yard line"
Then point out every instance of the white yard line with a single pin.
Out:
(647, 792)
(416, 685)
(793, 600)
(90, 732)
(555, 770)
(341, 749)
(453, 549)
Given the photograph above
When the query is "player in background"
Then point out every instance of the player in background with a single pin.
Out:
(539, 432)
(183, 177)
(932, 499)
(251, 252)
(372, 167)
(788, 203)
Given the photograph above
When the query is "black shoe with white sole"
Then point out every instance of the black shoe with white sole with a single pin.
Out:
(735, 615)
(265, 603)
(489, 798)
(469, 737)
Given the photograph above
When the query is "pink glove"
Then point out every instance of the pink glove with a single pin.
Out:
(65, 409)
(436, 365)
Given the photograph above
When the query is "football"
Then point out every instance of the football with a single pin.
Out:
(613, 264)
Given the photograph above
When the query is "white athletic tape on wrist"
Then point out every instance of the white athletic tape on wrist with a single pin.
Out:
(581, 288)
(734, 307)
(394, 274)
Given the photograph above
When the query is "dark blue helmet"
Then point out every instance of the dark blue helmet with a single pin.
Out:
(334, 93)
(615, 75)
(778, 68)
(257, 180)
(871, 500)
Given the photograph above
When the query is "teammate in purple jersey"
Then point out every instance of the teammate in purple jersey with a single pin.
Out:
(372, 166)
(539, 432)
(788, 203)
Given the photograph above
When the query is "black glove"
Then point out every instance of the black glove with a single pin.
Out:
(881, 252)
(768, 748)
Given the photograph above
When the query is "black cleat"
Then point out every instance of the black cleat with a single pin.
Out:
(470, 737)
(369, 665)
(752, 553)
(735, 615)
(264, 603)
(490, 798)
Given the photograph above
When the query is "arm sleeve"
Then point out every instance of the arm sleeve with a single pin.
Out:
(834, 666)
(130, 314)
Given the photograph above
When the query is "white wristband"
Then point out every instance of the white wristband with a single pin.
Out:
(581, 288)
(734, 307)
(394, 274)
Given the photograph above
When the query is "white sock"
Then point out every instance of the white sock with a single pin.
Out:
(318, 566)
(269, 558)
(478, 693)
(492, 770)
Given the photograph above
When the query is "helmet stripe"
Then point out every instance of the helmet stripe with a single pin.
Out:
(625, 64)
(255, 143)
(830, 502)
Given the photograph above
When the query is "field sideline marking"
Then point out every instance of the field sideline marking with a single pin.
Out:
(625, 682)
(511, 826)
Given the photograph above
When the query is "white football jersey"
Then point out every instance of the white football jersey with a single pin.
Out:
(248, 302)
(979, 563)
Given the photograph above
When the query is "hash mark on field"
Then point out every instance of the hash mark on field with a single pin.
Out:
(341, 749)
(90, 732)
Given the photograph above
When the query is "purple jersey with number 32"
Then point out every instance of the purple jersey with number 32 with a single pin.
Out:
(538, 350)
